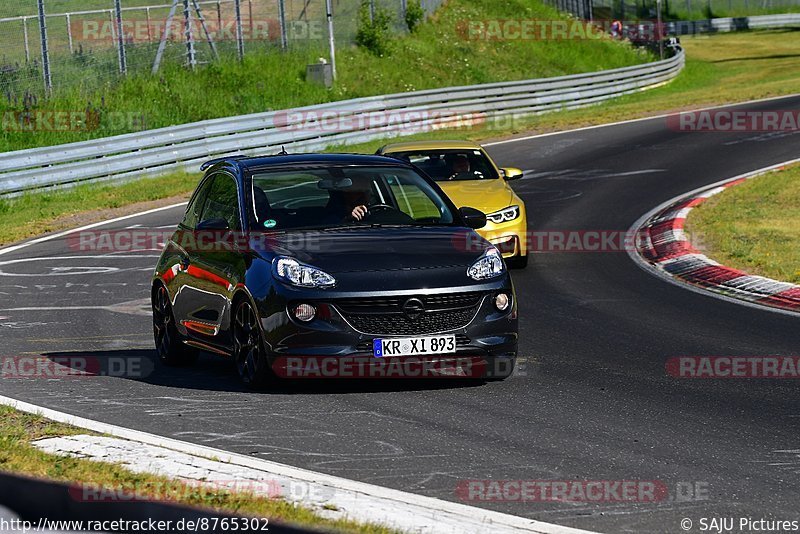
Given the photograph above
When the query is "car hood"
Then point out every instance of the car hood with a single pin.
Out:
(485, 195)
(382, 258)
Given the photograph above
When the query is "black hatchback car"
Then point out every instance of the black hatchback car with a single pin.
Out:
(322, 265)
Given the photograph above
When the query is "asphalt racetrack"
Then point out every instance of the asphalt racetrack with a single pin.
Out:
(591, 400)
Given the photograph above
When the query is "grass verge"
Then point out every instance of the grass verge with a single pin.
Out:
(18, 455)
(437, 54)
(717, 72)
(754, 226)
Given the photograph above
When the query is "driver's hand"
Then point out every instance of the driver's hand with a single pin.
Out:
(359, 212)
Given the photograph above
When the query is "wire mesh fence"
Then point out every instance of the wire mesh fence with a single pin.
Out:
(49, 45)
(672, 9)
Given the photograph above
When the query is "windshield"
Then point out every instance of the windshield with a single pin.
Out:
(446, 165)
(338, 197)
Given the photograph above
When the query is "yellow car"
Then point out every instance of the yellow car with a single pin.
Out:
(470, 178)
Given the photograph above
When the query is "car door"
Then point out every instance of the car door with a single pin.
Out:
(179, 246)
(215, 263)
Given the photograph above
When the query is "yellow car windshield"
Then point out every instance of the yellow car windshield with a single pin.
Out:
(451, 164)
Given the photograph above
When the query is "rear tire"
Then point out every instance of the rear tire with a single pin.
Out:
(169, 345)
(249, 350)
(518, 262)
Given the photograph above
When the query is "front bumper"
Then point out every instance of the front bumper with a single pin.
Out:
(510, 238)
(334, 336)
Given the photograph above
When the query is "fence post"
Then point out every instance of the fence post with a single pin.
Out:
(403, 10)
(250, 10)
(239, 37)
(25, 36)
(282, 21)
(69, 34)
(48, 80)
(123, 60)
(149, 25)
(189, 34)
(372, 10)
(331, 38)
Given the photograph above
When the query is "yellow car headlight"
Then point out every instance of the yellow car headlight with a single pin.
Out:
(504, 215)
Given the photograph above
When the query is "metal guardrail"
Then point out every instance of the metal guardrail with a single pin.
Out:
(731, 24)
(304, 129)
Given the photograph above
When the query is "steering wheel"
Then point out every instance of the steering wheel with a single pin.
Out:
(379, 206)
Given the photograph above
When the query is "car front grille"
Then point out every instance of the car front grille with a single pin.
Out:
(386, 316)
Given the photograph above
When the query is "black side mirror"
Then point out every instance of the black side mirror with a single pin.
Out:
(473, 218)
(217, 223)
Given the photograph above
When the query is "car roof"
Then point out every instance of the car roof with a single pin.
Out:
(245, 163)
(430, 145)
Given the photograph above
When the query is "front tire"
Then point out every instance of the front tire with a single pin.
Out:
(249, 351)
(169, 346)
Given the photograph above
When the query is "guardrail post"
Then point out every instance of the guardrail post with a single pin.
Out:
(123, 60)
(48, 80)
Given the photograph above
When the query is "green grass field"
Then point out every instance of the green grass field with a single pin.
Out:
(437, 55)
(754, 226)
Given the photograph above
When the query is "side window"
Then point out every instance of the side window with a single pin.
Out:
(195, 207)
(412, 200)
(223, 201)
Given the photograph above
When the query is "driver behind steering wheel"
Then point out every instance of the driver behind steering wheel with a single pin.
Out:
(351, 204)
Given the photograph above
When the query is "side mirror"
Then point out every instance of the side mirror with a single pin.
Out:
(473, 218)
(217, 223)
(511, 173)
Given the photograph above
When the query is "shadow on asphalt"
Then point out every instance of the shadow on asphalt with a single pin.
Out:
(212, 373)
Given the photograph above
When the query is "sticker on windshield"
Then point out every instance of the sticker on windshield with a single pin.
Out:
(270, 223)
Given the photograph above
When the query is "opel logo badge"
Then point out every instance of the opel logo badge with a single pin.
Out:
(413, 308)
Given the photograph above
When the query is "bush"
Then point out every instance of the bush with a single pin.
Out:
(414, 14)
(373, 32)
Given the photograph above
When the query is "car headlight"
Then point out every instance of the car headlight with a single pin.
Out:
(293, 272)
(488, 266)
(504, 215)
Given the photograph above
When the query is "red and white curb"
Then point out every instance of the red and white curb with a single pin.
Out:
(663, 247)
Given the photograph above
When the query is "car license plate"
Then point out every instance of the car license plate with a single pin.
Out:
(414, 346)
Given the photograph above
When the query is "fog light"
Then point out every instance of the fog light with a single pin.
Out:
(305, 312)
(502, 302)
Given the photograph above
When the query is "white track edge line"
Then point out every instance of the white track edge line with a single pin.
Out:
(639, 119)
(312, 477)
(50, 237)
(646, 266)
